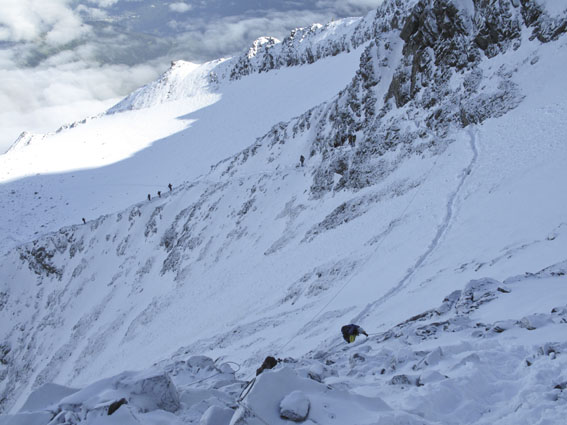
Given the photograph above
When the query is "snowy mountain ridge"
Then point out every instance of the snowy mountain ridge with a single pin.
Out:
(304, 45)
(413, 191)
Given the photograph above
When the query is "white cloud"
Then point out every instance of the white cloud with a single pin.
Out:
(52, 22)
(180, 7)
(41, 100)
(349, 7)
(103, 3)
(233, 34)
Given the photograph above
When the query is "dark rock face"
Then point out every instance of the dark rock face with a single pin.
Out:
(498, 23)
(435, 35)
(39, 261)
(545, 28)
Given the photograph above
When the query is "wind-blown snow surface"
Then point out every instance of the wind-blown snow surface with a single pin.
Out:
(441, 230)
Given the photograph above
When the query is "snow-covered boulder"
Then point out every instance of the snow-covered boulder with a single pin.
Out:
(503, 325)
(45, 396)
(535, 321)
(262, 404)
(476, 293)
(216, 415)
(430, 377)
(404, 380)
(151, 391)
(295, 406)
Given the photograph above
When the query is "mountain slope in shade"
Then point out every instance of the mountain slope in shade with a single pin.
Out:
(428, 210)
(109, 162)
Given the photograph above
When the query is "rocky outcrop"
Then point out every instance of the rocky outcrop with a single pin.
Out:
(357, 136)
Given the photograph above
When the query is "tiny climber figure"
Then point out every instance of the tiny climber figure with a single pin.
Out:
(350, 332)
(84, 221)
(159, 193)
(170, 187)
(301, 160)
(269, 363)
(149, 197)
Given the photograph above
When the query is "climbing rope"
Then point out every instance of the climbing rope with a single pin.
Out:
(249, 409)
(248, 387)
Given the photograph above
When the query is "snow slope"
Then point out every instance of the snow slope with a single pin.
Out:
(110, 162)
(440, 229)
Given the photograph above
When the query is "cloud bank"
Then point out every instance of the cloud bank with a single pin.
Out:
(63, 60)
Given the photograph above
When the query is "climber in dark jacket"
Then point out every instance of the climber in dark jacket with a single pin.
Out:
(350, 332)
(269, 363)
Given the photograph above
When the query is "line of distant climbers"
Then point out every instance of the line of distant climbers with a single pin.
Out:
(301, 163)
(159, 192)
(170, 186)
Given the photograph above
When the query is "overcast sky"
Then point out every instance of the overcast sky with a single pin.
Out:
(63, 60)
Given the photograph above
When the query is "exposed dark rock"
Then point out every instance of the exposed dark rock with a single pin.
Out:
(116, 405)
(4, 352)
(401, 380)
(39, 260)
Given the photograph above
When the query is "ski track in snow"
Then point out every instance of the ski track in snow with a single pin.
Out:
(441, 231)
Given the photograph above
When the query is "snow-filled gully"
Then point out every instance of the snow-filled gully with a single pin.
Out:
(441, 231)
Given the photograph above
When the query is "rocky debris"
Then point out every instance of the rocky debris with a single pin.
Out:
(160, 391)
(476, 293)
(404, 380)
(295, 406)
(312, 390)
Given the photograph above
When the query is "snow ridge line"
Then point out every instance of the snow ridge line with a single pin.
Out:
(441, 231)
